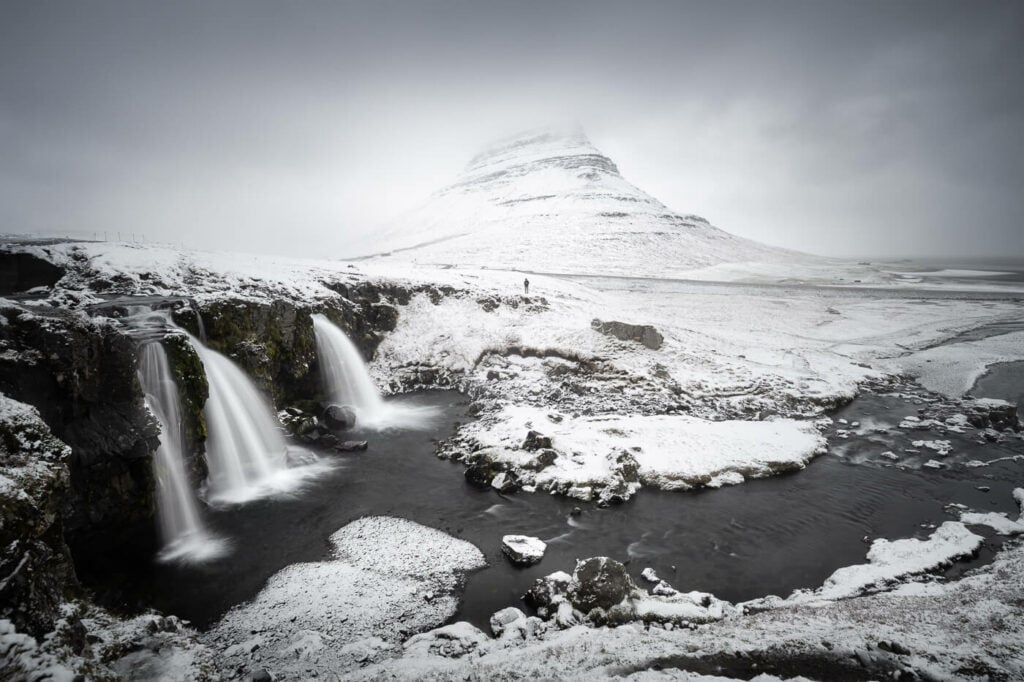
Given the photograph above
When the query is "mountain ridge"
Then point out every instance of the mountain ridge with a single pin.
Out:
(549, 200)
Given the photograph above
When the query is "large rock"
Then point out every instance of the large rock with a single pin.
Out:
(82, 375)
(547, 591)
(523, 550)
(273, 342)
(644, 334)
(20, 272)
(36, 574)
(599, 582)
(190, 377)
(482, 470)
(505, 619)
(339, 417)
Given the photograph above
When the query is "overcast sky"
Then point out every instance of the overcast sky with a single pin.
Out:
(857, 128)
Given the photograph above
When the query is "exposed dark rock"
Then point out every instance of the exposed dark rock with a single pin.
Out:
(535, 441)
(506, 482)
(82, 375)
(543, 460)
(546, 590)
(627, 467)
(20, 272)
(643, 334)
(274, 343)
(599, 582)
(482, 470)
(36, 573)
(190, 377)
(339, 417)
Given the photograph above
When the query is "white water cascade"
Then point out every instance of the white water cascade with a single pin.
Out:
(181, 528)
(347, 382)
(246, 452)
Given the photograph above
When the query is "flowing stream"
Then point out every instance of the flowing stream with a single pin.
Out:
(766, 536)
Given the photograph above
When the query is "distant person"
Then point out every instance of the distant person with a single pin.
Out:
(526, 285)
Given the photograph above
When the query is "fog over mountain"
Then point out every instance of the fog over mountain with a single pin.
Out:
(839, 129)
(548, 200)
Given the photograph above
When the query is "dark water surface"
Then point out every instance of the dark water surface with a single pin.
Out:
(767, 536)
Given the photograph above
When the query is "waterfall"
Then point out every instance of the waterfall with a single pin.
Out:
(347, 381)
(345, 374)
(181, 528)
(246, 452)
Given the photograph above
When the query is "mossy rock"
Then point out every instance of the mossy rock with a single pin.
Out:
(193, 388)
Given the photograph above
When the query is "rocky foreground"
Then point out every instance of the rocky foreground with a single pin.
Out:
(574, 392)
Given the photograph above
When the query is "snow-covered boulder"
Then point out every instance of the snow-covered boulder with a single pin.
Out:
(547, 591)
(599, 583)
(451, 641)
(523, 550)
(504, 620)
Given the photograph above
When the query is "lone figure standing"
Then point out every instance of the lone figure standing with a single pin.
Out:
(526, 285)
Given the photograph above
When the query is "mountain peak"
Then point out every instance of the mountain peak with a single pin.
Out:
(563, 146)
(548, 200)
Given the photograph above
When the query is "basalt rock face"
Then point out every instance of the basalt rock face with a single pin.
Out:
(82, 376)
(275, 344)
(190, 377)
(36, 574)
(20, 272)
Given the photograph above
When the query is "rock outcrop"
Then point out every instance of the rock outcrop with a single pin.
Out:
(36, 574)
(643, 334)
(81, 374)
(20, 272)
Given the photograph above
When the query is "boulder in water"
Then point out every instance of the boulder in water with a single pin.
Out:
(482, 470)
(547, 590)
(505, 482)
(599, 582)
(339, 417)
(351, 445)
(523, 550)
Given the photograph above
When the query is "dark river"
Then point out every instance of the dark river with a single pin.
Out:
(766, 536)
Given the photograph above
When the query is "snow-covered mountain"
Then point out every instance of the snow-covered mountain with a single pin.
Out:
(549, 201)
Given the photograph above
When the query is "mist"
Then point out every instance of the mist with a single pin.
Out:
(294, 128)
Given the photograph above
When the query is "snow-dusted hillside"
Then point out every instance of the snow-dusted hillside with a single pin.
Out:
(549, 201)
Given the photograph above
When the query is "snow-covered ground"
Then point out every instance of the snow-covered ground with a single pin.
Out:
(749, 353)
(971, 628)
(673, 452)
(388, 578)
(738, 387)
(952, 369)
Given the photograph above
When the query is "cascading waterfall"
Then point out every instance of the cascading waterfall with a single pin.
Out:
(181, 528)
(347, 381)
(246, 452)
(345, 373)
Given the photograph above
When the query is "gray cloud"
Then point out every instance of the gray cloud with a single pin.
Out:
(840, 128)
